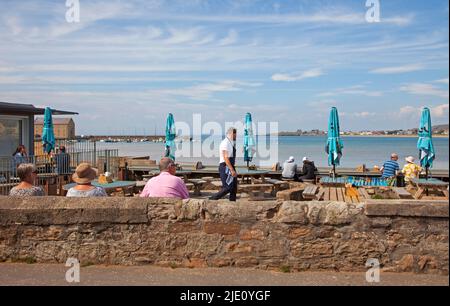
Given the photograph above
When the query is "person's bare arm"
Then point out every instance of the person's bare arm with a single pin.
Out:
(227, 161)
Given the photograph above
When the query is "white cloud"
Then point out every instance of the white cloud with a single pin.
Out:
(362, 115)
(325, 16)
(230, 39)
(312, 73)
(358, 90)
(180, 36)
(424, 89)
(398, 69)
(439, 111)
(206, 91)
(13, 24)
(442, 81)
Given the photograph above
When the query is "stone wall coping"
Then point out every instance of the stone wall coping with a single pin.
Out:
(407, 208)
(60, 210)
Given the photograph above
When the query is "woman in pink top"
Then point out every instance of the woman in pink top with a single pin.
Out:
(166, 184)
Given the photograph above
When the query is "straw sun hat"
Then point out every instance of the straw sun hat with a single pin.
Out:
(410, 159)
(84, 174)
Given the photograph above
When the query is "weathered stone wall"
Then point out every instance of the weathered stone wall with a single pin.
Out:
(403, 235)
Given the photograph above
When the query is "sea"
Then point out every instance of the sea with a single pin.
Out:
(358, 150)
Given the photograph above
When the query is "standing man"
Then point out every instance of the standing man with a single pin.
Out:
(227, 168)
(62, 160)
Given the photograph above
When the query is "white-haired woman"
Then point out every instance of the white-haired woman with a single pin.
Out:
(27, 174)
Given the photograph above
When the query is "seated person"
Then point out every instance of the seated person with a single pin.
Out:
(391, 168)
(290, 169)
(166, 184)
(83, 176)
(411, 170)
(27, 174)
(309, 170)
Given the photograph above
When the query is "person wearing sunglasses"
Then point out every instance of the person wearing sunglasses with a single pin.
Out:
(27, 174)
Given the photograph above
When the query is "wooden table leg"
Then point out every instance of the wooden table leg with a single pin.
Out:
(445, 191)
(197, 190)
(261, 193)
(419, 193)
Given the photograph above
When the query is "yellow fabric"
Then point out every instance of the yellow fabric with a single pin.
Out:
(411, 171)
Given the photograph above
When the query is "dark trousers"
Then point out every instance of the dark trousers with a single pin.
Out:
(226, 189)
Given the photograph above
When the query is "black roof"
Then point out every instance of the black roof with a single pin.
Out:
(29, 109)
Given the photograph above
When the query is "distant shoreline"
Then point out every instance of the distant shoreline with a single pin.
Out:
(374, 136)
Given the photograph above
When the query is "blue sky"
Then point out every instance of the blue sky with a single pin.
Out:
(128, 63)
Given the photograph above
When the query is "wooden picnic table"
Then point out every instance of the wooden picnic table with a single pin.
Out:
(255, 191)
(184, 173)
(342, 194)
(355, 181)
(110, 187)
(424, 185)
(252, 175)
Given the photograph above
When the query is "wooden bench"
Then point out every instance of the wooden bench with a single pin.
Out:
(353, 195)
(310, 192)
(277, 185)
(363, 194)
(287, 179)
(339, 194)
(402, 193)
(255, 191)
(208, 178)
(312, 181)
(198, 185)
(321, 193)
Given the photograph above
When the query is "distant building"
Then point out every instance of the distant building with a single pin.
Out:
(64, 128)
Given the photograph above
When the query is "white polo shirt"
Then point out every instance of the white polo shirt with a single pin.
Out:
(226, 145)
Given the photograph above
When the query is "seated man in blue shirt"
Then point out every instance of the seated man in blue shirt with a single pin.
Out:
(391, 167)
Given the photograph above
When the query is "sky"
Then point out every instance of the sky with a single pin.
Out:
(127, 64)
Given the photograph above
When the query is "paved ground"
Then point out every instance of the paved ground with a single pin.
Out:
(39, 274)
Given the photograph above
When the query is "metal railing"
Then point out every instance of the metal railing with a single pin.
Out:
(57, 169)
(72, 146)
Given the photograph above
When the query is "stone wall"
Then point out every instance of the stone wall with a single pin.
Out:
(403, 235)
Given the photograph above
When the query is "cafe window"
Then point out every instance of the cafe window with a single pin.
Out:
(13, 132)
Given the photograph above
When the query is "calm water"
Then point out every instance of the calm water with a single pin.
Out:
(358, 150)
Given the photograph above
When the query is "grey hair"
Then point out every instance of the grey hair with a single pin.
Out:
(24, 170)
(231, 130)
(165, 163)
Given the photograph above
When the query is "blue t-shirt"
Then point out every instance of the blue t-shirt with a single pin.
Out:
(390, 167)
